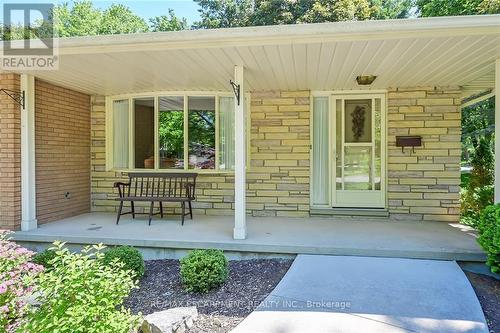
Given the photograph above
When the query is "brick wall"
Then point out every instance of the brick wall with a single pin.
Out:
(425, 184)
(62, 141)
(278, 178)
(10, 155)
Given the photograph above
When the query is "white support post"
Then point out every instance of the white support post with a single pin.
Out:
(497, 131)
(28, 194)
(240, 225)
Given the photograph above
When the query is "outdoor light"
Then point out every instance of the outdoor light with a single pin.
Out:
(365, 80)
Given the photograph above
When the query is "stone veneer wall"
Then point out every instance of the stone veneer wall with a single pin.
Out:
(62, 152)
(425, 184)
(421, 186)
(10, 155)
(278, 177)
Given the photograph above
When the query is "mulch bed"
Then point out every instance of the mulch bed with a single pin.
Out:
(487, 290)
(249, 282)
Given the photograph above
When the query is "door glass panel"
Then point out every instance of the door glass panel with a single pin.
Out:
(321, 184)
(358, 121)
(357, 167)
(171, 132)
(144, 110)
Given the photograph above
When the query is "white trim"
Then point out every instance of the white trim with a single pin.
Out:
(285, 34)
(343, 95)
(497, 131)
(240, 119)
(478, 99)
(28, 183)
(156, 95)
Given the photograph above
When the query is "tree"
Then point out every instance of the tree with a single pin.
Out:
(274, 12)
(457, 7)
(119, 19)
(337, 10)
(391, 9)
(82, 19)
(223, 13)
(168, 22)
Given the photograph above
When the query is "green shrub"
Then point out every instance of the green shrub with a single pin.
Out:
(489, 236)
(82, 294)
(203, 270)
(45, 258)
(473, 202)
(130, 257)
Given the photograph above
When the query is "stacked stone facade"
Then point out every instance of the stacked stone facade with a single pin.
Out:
(425, 184)
(278, 170)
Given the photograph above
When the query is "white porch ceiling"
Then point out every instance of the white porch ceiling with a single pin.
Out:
(456, 51)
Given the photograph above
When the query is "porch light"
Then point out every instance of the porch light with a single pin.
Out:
(365, 80)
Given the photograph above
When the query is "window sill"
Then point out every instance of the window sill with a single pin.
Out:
(198, 171)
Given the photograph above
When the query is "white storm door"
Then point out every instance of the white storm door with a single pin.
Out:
(358, 146)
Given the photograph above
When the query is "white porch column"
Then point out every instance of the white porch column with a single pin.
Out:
(28, 195)
(497, 131)
(240, 225)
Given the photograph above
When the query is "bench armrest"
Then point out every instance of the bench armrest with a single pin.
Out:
(121, 188)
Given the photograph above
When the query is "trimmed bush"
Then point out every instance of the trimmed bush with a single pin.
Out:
(45, 258)
(489, 236)
(203, 270)
(130, 257)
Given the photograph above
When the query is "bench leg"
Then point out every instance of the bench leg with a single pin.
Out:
(161, 209)
(119, 212)
(190, 210)
(133, 209)
(151, 211)
(183, 204)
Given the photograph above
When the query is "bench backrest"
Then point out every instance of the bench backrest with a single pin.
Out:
(165, 185)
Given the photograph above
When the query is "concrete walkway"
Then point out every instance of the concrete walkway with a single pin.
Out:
(361, 294)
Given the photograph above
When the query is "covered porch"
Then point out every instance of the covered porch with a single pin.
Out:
(362, 236)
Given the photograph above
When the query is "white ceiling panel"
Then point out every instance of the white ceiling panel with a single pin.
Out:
(402, 53)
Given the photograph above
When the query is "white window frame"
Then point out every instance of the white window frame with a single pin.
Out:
(330, 94)
(156, 95)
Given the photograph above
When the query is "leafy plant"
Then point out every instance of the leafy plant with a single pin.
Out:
(82, 294)
(489, 236)
(203, 270)
(45, 258)
(130, 257)
(16, 282)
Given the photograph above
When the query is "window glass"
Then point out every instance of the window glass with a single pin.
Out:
(120, 133)
(201, 132)
(358, 120)
(144, 133)
(171, 132)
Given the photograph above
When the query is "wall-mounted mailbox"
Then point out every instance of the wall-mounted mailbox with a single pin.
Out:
(408, 141)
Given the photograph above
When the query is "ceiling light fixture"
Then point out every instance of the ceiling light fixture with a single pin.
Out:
(365, 80)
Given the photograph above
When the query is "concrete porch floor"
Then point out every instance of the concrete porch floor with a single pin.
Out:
(358, 236)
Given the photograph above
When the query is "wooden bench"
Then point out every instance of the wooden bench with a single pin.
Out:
(157, 187)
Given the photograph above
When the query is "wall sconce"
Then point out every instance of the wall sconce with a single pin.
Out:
(365, 80)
